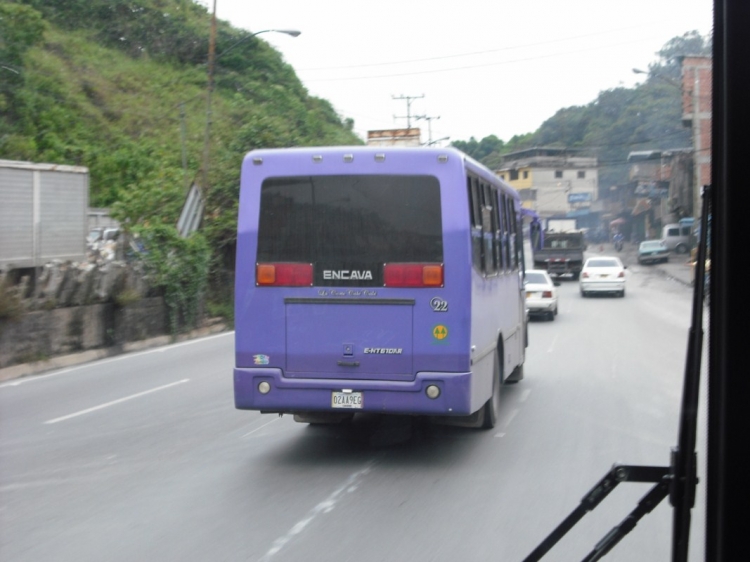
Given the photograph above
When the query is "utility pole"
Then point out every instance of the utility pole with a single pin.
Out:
(409, 100)
(429, 125)
(211, 59)
(182, 142)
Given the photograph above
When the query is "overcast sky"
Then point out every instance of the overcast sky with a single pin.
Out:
(484, 67)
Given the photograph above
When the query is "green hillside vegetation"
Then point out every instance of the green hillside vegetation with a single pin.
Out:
(120, 86)
(618, 121)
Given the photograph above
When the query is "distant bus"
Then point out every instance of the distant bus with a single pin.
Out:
(376, 279)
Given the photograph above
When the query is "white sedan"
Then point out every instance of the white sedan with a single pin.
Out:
(541, 294)
(603, 275)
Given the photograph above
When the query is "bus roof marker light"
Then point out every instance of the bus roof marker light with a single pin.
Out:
(317, 158)
(257, 161)
(380, 157)
(443, 158)
(348, 158)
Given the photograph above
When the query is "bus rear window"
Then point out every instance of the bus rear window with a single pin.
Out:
(349, 226)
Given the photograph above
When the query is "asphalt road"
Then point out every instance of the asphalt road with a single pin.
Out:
(143, 457)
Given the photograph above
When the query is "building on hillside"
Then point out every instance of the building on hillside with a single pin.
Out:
(659, 192)
(394, 137)
(662, 183)
(697, 75)
(555, 182)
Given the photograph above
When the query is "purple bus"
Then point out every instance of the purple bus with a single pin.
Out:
(377, 279)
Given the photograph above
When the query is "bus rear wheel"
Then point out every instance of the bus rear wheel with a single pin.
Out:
(492, 407)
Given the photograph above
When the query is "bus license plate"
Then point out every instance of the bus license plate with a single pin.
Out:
(348, 400)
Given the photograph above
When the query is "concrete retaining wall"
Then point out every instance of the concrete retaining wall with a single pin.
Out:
(43, 334)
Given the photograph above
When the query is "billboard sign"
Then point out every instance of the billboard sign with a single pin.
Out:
(584, 197)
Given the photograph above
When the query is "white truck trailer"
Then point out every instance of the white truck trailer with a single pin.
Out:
(43, 213)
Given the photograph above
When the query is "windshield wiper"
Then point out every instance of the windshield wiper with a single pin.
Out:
(679, 479)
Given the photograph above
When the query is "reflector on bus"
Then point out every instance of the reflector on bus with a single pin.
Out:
(284, 274)
(413, 275)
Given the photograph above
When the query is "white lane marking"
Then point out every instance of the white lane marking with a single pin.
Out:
(261, 427)
(510, 418)
(499, 434)
(552, 345)
(524, 395)
(323, 507)
(108, 404)
(97, 363)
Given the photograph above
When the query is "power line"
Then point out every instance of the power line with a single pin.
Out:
(473, 53)
(469, 67)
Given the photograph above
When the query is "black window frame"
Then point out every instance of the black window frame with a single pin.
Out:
(349, 222)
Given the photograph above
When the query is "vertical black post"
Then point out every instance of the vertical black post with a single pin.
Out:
(728, 383)
(684, 464)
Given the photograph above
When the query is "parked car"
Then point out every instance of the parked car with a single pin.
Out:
(653, 251)
(99, 235)
(677, 237)
(541, 293)
(603, 274)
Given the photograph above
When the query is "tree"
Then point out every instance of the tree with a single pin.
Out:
(21, 27)
(618, 121)
(668, 66)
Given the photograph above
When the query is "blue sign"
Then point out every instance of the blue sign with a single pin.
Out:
(579, 197)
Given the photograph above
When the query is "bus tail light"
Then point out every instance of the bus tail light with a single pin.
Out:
(284, 274)
(413, 275)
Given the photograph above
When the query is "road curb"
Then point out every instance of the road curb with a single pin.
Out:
(671, 277)
(73, 359)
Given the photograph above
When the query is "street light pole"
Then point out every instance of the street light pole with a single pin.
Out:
(211, 58)
(660, 77)
(211, 62)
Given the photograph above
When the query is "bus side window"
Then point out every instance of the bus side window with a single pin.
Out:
(514, 235)
(520, 260)
(497, 246)
(488, 230)
(503, 230)
(511, 238)
(476, 222)
(506, 233)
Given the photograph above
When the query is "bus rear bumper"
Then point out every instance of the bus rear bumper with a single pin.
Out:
(315, 395)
